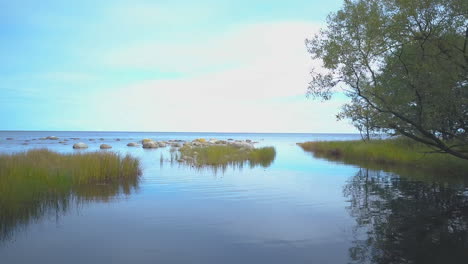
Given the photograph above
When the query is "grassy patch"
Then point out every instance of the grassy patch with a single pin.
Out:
(222, 156)
(388, 152)
(34, 182)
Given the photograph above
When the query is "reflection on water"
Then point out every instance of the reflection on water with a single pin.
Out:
(292, 211)
(399, 220)
(16, 216)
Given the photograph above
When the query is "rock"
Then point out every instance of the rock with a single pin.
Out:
(162, 144)
(42, 138)
(150, 144)
(9, 138)
(80, 145)
(218, 142)
(133, 144)
(52, 138)
(101, 139)
(176, 145)
(91, 139)
(105, 146)
(241, 144)
(230, 139)
(24, 144)
(200, 140)
(61, 142)
(248, 141)
(117, 139)
(75, 138)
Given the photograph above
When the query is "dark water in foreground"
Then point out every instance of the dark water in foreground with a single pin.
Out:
(298, 210)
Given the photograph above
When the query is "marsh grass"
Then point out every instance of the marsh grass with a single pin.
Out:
(39, 181)
(388, 153)
(222, 156)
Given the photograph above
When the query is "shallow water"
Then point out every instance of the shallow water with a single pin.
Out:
(298, 210)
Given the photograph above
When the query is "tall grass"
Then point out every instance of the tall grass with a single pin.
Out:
(389, 152)
(221, 156)
(34, 182)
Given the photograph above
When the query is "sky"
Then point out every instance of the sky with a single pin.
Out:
(195, 66)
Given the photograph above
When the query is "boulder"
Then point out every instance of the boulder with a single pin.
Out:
(162, 144)
(133, 144)
(150, 144)
(80, 145)
(146, 140)
(52, 138)
(105, 146)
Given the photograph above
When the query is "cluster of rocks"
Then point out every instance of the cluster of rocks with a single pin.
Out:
(82, 145)
(248, 144)
(49, 138)
(152, 144)
(149, 143)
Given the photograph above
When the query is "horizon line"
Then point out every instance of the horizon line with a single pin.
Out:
(127, 131)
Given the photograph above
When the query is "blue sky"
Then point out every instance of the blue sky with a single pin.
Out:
(224, 66)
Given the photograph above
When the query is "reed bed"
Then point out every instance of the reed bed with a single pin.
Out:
(395, 152)
(227, 155)
(37, 181)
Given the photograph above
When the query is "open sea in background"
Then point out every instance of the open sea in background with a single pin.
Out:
(300, 209)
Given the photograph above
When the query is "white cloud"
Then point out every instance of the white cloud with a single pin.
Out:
(270, 62)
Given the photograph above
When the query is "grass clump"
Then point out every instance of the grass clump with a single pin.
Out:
(223, 155)
(391, 152)
(37, 181)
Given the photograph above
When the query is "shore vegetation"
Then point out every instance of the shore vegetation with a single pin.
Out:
(400, 152)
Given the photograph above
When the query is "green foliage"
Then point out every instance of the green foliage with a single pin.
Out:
(391, 152)
(222, 156)
(406, 60)
(35, 182)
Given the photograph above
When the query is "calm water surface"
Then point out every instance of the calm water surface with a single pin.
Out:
(298, 210)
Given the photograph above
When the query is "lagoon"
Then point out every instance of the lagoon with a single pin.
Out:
(299, 209)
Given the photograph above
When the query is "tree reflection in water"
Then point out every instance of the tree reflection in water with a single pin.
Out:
(404, 221)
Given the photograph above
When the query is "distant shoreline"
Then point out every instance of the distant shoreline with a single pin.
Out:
(184, 132)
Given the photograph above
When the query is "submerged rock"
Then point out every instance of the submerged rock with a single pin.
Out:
(9, 138)
(80, 145)
(52, 138)
(105, 146)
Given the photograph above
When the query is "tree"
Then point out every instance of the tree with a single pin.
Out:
(404, 220)
(362, 116)
(407, 60)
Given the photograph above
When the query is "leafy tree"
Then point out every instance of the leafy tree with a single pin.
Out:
(362, 116)
(407, 60)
